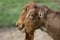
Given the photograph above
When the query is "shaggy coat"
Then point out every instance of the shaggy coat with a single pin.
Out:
(29, 21)
(32, 22)
(51, 21)
(20, 21)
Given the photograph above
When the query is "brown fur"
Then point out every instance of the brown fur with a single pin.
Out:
(32, 22)
(51, 20)
(29, 23)
(20, 22)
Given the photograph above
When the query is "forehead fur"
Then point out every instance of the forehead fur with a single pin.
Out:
(31, 12)
(30, 5)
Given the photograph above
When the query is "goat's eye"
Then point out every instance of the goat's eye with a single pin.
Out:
(41, 15)
(31, 16)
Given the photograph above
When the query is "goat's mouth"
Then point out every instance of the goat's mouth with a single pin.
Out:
(21, 28)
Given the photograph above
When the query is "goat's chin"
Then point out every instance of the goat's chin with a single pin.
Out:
(22, 30)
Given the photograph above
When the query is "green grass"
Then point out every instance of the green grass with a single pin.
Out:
(11, 9)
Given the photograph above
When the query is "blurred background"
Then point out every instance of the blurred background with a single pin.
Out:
(10, 11)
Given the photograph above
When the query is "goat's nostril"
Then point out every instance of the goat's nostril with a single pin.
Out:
(16, 25)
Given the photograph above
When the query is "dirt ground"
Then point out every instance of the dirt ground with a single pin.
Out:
(15, 34)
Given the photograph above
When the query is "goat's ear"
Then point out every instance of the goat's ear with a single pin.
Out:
(41, 15)
(25, 7)
(45, 9)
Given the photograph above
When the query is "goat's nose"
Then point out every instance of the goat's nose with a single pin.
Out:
(20, 27)
(17, 24)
